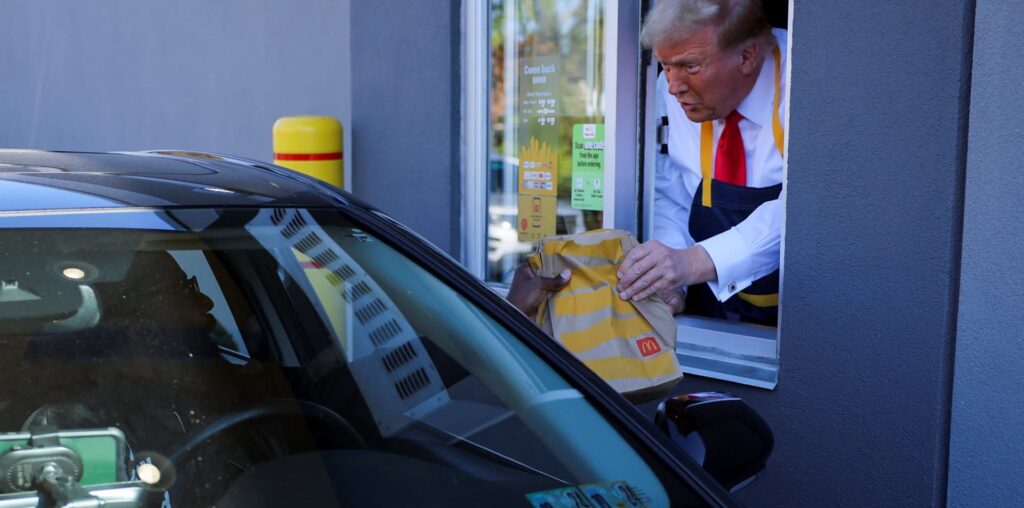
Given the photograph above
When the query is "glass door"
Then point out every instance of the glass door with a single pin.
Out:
(546, 126)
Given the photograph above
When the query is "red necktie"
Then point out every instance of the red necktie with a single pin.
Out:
(730, 159)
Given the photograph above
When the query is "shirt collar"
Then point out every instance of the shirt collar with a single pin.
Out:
(757, 105)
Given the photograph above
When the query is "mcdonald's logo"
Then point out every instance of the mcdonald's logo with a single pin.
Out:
(648, 346)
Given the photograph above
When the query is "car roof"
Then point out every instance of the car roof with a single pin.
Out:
(49, 180)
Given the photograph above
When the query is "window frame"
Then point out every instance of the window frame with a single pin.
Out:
(734, 352)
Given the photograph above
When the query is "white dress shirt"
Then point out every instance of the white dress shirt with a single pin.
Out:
(750, 250)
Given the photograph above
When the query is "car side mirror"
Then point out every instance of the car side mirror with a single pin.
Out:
(721, 432)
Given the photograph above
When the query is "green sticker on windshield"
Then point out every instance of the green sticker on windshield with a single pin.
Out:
(614, 494)
(594, 495)
(569, 497)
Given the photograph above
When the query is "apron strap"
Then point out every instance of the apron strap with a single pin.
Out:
(770, 300)
(707, 139)
(780, 134)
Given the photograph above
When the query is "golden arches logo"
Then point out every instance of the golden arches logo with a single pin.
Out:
(648, 346)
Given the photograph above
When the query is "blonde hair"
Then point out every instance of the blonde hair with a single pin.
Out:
(737, 21)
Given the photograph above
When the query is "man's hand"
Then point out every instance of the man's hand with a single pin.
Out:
(652, 267)
(529, 289)
(675, 299)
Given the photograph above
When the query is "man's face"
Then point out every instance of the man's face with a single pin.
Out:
(720, 83)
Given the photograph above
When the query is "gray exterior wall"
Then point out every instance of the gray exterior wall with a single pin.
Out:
(986, 448)
(214, 76)
(869, 318)
(406, 109)
(183, 74)
(872, 255)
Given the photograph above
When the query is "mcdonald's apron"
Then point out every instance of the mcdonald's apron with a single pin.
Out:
(758, 303)
(719, 207)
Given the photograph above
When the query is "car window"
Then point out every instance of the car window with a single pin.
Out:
(286, 355)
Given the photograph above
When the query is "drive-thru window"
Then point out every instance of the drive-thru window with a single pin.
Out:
(563, 135)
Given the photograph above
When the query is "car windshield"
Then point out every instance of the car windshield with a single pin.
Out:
(258, 357)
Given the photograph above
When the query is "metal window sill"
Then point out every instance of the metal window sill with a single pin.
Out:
(735, 352)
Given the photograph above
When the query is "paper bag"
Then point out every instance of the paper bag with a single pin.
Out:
(631, 345)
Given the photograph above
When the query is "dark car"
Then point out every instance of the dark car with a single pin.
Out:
(184, 329)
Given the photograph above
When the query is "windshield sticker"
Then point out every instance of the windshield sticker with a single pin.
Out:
(614, 494)
(617, 494)
(568, 497)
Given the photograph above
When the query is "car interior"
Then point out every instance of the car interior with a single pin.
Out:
(272, 357)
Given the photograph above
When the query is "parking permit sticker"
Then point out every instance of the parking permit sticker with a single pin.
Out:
(617, 494)
(569, 497)
(614, 494)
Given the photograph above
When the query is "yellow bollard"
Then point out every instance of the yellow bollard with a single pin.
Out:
(311, 145)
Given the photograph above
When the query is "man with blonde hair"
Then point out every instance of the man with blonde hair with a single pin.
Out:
(717, 211)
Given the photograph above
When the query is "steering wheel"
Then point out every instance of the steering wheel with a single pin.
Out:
(279, 409)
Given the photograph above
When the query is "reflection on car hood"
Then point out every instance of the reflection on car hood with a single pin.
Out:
(40, 180)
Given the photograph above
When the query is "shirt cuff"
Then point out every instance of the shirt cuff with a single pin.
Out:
(732, 259)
